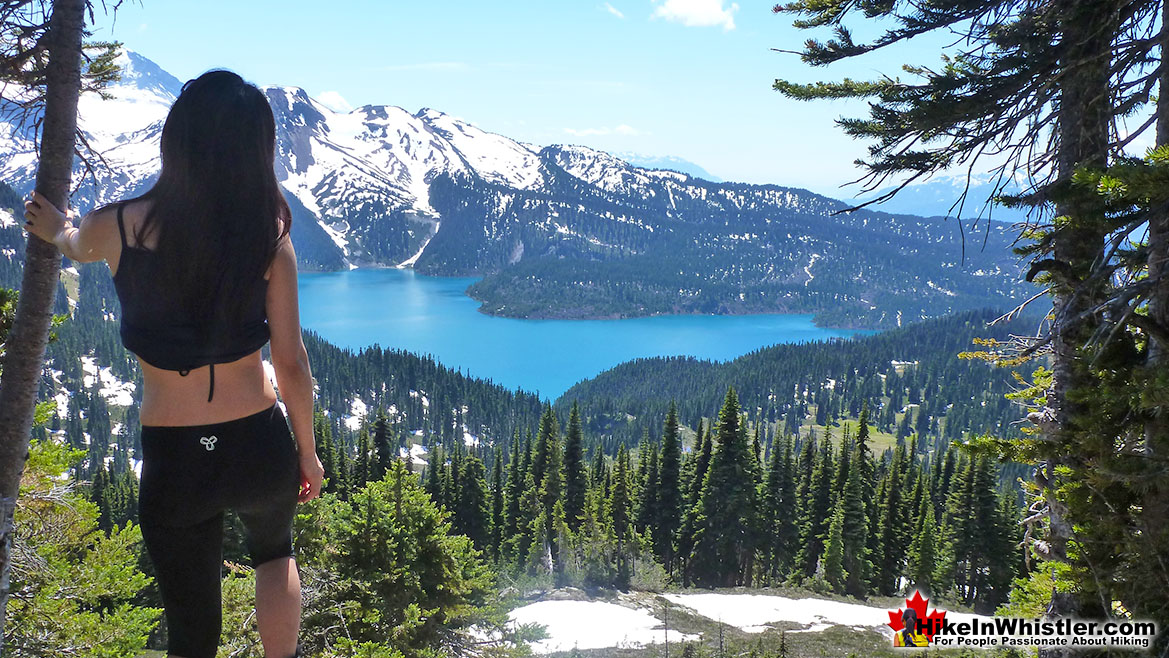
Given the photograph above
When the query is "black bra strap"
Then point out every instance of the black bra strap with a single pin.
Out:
(121, 226)
(211, 388)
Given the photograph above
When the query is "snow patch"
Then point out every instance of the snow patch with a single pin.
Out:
(592, 625)
(116, 392)
(808, 269)
(753, 612)
(357, 412)
(417, 454)
(940, 289)
(409, 262)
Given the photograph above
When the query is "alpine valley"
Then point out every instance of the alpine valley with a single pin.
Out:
(611, 501)
(556, 231)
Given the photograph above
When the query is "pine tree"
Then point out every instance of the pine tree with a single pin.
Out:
(787, 531)
(960, 527)
(922, 552)
(843, 465)
(324, 438)
(471, 508)
(669, 489)
(1097, 75)
(512, 491)
(646, 507)
(725, 525)
(757, 451)
(621, 515)
(779, 510)
(547, 475)
(1003, 555)
(640, 475)
(382, 446)
(598, 468)
(344, 475)
(805, 463)
(832, 561)
(363, 466)
(868, 467)
(100, 494)
(545, 445)
(61, 37)
(575, 479)
(689, 528)
(890, 555)
(497, 498)
(814, 517)
(856, 552)
(434, 477)
(700, 467)
(944, 481)
(528, 523)
(454, 474)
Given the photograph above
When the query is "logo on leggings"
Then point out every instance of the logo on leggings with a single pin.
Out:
(208, 442)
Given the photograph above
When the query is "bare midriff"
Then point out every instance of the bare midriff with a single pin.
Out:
(242, 388)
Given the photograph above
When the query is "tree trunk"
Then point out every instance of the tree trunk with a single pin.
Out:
(25, 349)
(1156, 504)
(1084, 119)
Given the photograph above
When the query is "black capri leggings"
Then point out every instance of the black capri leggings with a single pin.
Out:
(190, 476)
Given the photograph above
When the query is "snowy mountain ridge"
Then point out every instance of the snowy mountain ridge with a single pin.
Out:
(556, 231)
(348, 169)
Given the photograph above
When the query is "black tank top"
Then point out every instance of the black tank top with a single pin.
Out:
(163, 333)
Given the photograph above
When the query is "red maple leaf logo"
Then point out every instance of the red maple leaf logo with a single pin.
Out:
(929, 624)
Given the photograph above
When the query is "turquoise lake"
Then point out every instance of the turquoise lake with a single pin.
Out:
(430, 315)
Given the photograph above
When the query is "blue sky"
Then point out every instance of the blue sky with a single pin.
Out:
(685, 78)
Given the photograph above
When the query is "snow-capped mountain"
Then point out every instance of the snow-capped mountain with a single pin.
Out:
(379, 185)
(667, 162)
(354, 170)
(349, 170)
(121, 135)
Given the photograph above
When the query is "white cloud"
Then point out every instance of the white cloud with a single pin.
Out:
(613, 10)
(334, 101)
(698, 13)
(622, 129)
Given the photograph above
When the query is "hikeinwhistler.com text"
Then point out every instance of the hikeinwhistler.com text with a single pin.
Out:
(1024, 632)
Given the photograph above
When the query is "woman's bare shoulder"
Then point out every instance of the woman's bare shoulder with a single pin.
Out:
(133, 217)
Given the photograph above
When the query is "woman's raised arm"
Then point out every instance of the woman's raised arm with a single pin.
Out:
(91, 241)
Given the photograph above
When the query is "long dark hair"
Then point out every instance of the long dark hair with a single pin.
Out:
(909, 617)
(216, 202)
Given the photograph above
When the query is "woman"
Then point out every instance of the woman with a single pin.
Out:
(206, 275)
(910, 635)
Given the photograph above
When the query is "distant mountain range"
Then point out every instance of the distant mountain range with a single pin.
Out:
(558, 231)
(939, 195)
(667, 162)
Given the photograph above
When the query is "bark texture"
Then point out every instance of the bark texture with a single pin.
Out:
(25, 349)
(1156, 508)
(1083, 141)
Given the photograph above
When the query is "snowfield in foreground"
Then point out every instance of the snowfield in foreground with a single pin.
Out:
(753, 612)
(593, 625)
(601, 624)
